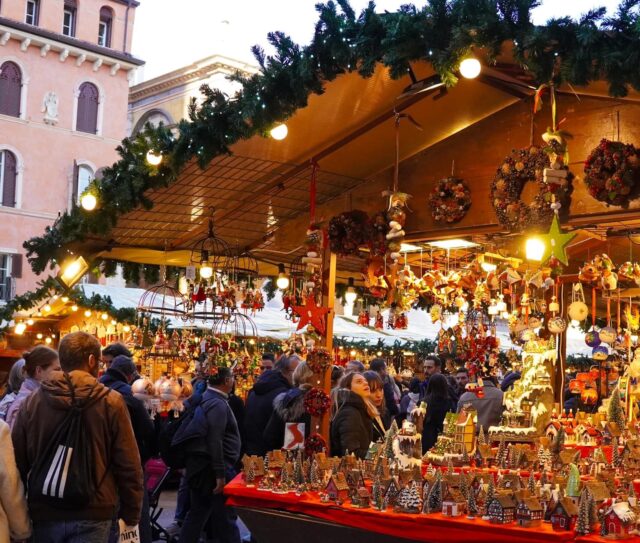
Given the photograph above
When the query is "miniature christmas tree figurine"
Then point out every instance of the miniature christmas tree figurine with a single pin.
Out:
(464, 484)
(558, 442)
(378, 498)
(285, 480)
(434, 500)
(465, 456)
(583, 524)
(298, 473)
(615, 413)
(573, 482)
(393, 429)
(388, 444)
(409, 500)
(491, 490)
(266, 463)
(314, 475)
(250, 474)
(532, 484)
(481, 439)
(501, 455)
(615, 456)
(472, 506)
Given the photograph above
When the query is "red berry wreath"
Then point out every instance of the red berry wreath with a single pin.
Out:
(519, 168)
(611, 172)
(316, 402)
(319, 360)
(450, 200)
(348, 232)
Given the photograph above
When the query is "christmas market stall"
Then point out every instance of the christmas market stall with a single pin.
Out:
(453, 167)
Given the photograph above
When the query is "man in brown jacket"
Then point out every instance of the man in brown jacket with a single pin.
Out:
(116, 463)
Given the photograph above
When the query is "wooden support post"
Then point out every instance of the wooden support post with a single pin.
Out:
(329, 302)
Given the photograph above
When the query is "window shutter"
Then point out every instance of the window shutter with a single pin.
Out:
(16, 266)
(87, 118)
(10, 89)
(9, 184)
(74, 188)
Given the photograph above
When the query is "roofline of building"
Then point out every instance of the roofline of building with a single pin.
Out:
(57, 42)
(132, 3)
(190, 72)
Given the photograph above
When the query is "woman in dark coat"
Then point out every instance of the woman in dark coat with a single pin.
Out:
(289, 407)
(381, 423)
(438, 405)
(351, 417)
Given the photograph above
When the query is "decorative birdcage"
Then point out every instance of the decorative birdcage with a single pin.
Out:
(244, 266)
(211, 253)
(161, 301)
(235, 324)
(297, 269)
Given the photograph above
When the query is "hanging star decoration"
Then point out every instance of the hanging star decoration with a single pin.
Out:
(556, 241)
(311, 313)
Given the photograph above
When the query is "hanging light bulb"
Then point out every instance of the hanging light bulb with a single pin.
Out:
(46, 308)
(283, 281)
(30, 322)
(39, 336)
(379, 353)
(279, 132)
(154, 159)
(65, 299)
(20, 328)
(534, 249)
(126, 328)
(48, 340)
(470, 68)
(87, 313)
(74, 308)
(88, 202)
(104, 316)
(351, 294)
(352, 353)
(206, 271)
(114, 322)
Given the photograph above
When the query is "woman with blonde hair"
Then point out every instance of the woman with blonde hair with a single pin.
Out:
(289, 407)
(352, 417)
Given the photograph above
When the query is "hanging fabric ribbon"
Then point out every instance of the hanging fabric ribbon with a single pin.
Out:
(608, 311)
(313, 191)
(396, 169)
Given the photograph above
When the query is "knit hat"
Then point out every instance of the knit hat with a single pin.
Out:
(125, 366)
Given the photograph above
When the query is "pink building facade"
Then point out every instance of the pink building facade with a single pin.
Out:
(65, 69)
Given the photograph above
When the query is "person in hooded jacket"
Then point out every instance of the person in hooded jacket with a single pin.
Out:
(121, 373)
(352, 417)
(259, 406)
(17, 376)
(439, 404)
(289, 407)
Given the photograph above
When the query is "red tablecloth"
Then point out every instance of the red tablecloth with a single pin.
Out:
(433, 528)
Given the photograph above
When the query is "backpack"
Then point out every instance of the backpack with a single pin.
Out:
(175, 456)
(64, 475)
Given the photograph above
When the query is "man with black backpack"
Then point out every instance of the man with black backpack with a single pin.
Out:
(76, 451)
(212, 443)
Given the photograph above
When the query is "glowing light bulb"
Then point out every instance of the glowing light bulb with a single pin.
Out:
(279, 132)
(48, 340)
(30, 322)
(88, 202)
(104, 316)
(470, 68)
(534, 249)
(352, 353)
(155, 159)
(127, 328)
(379, 353)
(206, 271)
(20, 328)
(87, 313)
(350, 296)
(39, 336)
(74, 307)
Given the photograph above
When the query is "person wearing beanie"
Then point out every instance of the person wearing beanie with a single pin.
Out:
(121, 373)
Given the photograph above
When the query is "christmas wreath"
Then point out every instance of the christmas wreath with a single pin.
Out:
(318, 361)
(519, 168)
(316, 402)
(611, 172)
(315, 443)
(450, 200)
(349, 231)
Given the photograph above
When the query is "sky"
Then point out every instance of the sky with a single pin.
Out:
(170, 34)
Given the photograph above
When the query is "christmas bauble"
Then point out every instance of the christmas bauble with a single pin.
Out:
(187, 389)
(589, 396)
(592, 338)
(608, 335)
(610, 281)
(143, 388)
(170, 390)
(557, 325)
(601, 352)
(578, 311)
(158, 384)
(554, 306)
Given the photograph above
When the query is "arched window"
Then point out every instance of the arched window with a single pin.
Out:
(83, 175)
(104, 27)
(87, 114)
(10, 89)
(8, 178)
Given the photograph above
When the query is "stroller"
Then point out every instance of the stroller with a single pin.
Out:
(157, 474)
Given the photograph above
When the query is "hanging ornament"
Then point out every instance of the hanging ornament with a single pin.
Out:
(612, 172)
(449, 200)
(578, 310)
(311, 313)
(556, 241)
(592, 338)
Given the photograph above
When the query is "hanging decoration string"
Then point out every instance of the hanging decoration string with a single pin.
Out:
(396, 168)
(313, 191)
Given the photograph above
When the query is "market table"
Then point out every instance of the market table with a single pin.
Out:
(267, 514)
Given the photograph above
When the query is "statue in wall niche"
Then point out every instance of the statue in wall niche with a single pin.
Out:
(50, 108)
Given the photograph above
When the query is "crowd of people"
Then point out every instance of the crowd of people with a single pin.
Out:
(75, 439)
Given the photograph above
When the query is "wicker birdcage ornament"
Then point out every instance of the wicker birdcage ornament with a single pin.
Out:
(235, 324)
(212, 252)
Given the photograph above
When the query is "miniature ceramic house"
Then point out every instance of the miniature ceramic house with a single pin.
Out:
(454, 503)
(529, 512)
(465, 431)
(501, 509)
(337, 488)
(361, 498)
(390, 491)
(619, 520)
(564, 514)
(610, 433)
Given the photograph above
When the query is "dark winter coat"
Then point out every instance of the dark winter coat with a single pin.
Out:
(143, 427)
(434, 422)
(351, 428)
(389, 396)
(287, 407)
(259, 408)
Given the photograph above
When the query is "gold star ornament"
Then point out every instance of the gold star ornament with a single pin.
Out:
(556, 241)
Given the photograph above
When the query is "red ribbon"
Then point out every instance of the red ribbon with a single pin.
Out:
(312, 191)
(593, 306)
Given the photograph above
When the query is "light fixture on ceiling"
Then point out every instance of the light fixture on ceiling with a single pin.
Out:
(72, 271)
(351, 294)
(279, 132)
(409, 248)
(470, 68)
(455, 243)
(206, 270)
(283, 281)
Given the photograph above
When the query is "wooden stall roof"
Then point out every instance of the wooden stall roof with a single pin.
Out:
(261, 192)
